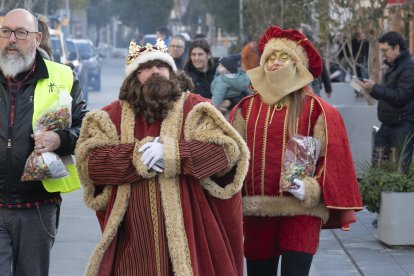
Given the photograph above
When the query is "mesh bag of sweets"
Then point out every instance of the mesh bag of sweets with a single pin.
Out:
(301, 155)
(40, 166)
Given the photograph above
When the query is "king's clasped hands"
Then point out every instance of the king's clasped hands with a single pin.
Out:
(153, 155)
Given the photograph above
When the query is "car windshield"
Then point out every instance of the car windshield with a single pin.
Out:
(85, 50)
(152, 39)
(70, 46)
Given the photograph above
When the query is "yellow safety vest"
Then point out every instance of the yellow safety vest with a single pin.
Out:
(46, 93)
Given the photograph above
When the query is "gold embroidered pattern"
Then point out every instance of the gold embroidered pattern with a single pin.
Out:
(152, 190)
(285, 130)
(277, 107)
(249, 111)
(264, 150)
(312, 107)
(254, 144)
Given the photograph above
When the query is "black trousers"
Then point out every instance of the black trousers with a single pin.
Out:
(394, 142)
(293, 264)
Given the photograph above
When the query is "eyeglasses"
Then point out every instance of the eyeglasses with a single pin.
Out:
(19, 34)
(384, 50)
(176, 46)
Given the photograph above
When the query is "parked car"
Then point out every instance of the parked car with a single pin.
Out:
(149, 38)
(78, 67)
(58, 43)
(90, 59)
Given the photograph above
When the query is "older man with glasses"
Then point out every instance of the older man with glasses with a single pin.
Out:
(395, 101)
(177, 49)
(29, 87)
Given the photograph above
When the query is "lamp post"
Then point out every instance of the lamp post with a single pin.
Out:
(241, 29)
(281, 13)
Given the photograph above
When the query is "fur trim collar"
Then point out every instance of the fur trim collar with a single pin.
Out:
(204, 123)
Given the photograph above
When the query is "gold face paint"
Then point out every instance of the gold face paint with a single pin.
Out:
(279, 56)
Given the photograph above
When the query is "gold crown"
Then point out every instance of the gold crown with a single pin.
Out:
(136, 51)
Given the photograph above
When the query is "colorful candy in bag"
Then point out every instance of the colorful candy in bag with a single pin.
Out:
(301, 155)
(49, 165)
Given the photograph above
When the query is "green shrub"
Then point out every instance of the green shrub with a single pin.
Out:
(377, 180)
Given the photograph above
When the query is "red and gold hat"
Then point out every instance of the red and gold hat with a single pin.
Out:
(293, 43)
(138, 55)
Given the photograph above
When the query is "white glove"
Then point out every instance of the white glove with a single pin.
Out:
(298, 190)
(153, 153)
(147, 145)
(158, 166)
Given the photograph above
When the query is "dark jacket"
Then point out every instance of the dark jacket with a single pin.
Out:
(201, 80)
(396, 95)
(13, 158)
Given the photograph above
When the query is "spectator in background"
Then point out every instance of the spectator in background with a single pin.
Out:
(165, 34)
(335, 72)
(249, 55)
(201, 67)
(199, 36)
(229, 86)
(45, 47)
(395, 101)
(358, 52)
(324, 78)
(177, 49)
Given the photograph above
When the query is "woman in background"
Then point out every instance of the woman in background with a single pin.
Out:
(201, 67)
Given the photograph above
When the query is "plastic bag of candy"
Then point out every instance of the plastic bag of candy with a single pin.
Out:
(49, 165)
(43, 166)
(301, 155)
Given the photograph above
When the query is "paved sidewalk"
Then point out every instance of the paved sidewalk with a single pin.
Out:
(350, 253)
(358, 252)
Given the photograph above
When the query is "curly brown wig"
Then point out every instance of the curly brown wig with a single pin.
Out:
(155, 98)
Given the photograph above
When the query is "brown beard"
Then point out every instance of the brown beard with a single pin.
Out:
(154, 99)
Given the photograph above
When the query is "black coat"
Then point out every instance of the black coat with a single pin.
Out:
(202, 80)
(396, 96)
(13, 157)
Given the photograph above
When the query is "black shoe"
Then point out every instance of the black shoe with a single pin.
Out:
(375, 223)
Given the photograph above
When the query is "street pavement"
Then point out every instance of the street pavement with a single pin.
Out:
(341, 253)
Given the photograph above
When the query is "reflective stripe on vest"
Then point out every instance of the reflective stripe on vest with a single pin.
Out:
(46, 94)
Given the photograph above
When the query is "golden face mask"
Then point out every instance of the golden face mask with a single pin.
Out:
(278, 55)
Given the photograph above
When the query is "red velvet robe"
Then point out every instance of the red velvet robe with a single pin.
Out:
(213, 227)
(266, 135)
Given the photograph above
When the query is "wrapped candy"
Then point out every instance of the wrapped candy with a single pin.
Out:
(49, 165)
(300, 158)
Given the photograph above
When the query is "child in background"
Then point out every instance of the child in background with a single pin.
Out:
(229, 85)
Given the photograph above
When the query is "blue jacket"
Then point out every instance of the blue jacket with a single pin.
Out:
(227, 86)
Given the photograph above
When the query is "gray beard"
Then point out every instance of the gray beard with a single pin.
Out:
(13, 64)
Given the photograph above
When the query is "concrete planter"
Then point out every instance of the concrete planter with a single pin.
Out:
(395, 220)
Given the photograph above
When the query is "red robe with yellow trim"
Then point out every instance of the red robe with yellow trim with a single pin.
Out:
(143, 221)
(266, 135)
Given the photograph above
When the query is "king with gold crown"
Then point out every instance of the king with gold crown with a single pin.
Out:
(163, 170)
